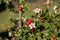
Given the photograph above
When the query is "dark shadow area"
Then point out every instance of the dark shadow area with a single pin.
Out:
(41, 28)
(58, 35)
(2, 6)
(4, 35)
(12, 4)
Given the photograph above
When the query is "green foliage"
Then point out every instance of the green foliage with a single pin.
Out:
(0, 1)
(22, 1)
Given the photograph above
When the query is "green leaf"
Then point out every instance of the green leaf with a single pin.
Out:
(19, 33)
(58, 24)
(0, 1)
(24, 38)
(38, 34)
(22, 1)
(47, 25)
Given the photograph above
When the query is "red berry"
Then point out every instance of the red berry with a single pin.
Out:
(41, 19)
(28, 22)
(32, 30)
(53, 38)
(20, 8)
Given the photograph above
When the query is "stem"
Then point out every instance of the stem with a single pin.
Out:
(20, 13)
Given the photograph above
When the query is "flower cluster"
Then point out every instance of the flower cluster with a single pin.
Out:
(55, 8)
(37, 10)
(48, 2)
(31, 25)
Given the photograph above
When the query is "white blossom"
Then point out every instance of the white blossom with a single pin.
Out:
(55, 9)
(48, 1)
(32, 25)
(37, 10)
(10, 34)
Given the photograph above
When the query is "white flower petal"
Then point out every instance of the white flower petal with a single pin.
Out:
(55, 11)
(31, 27)
(39, 9)
(54, 7)
(48, 1)
(10, 34)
